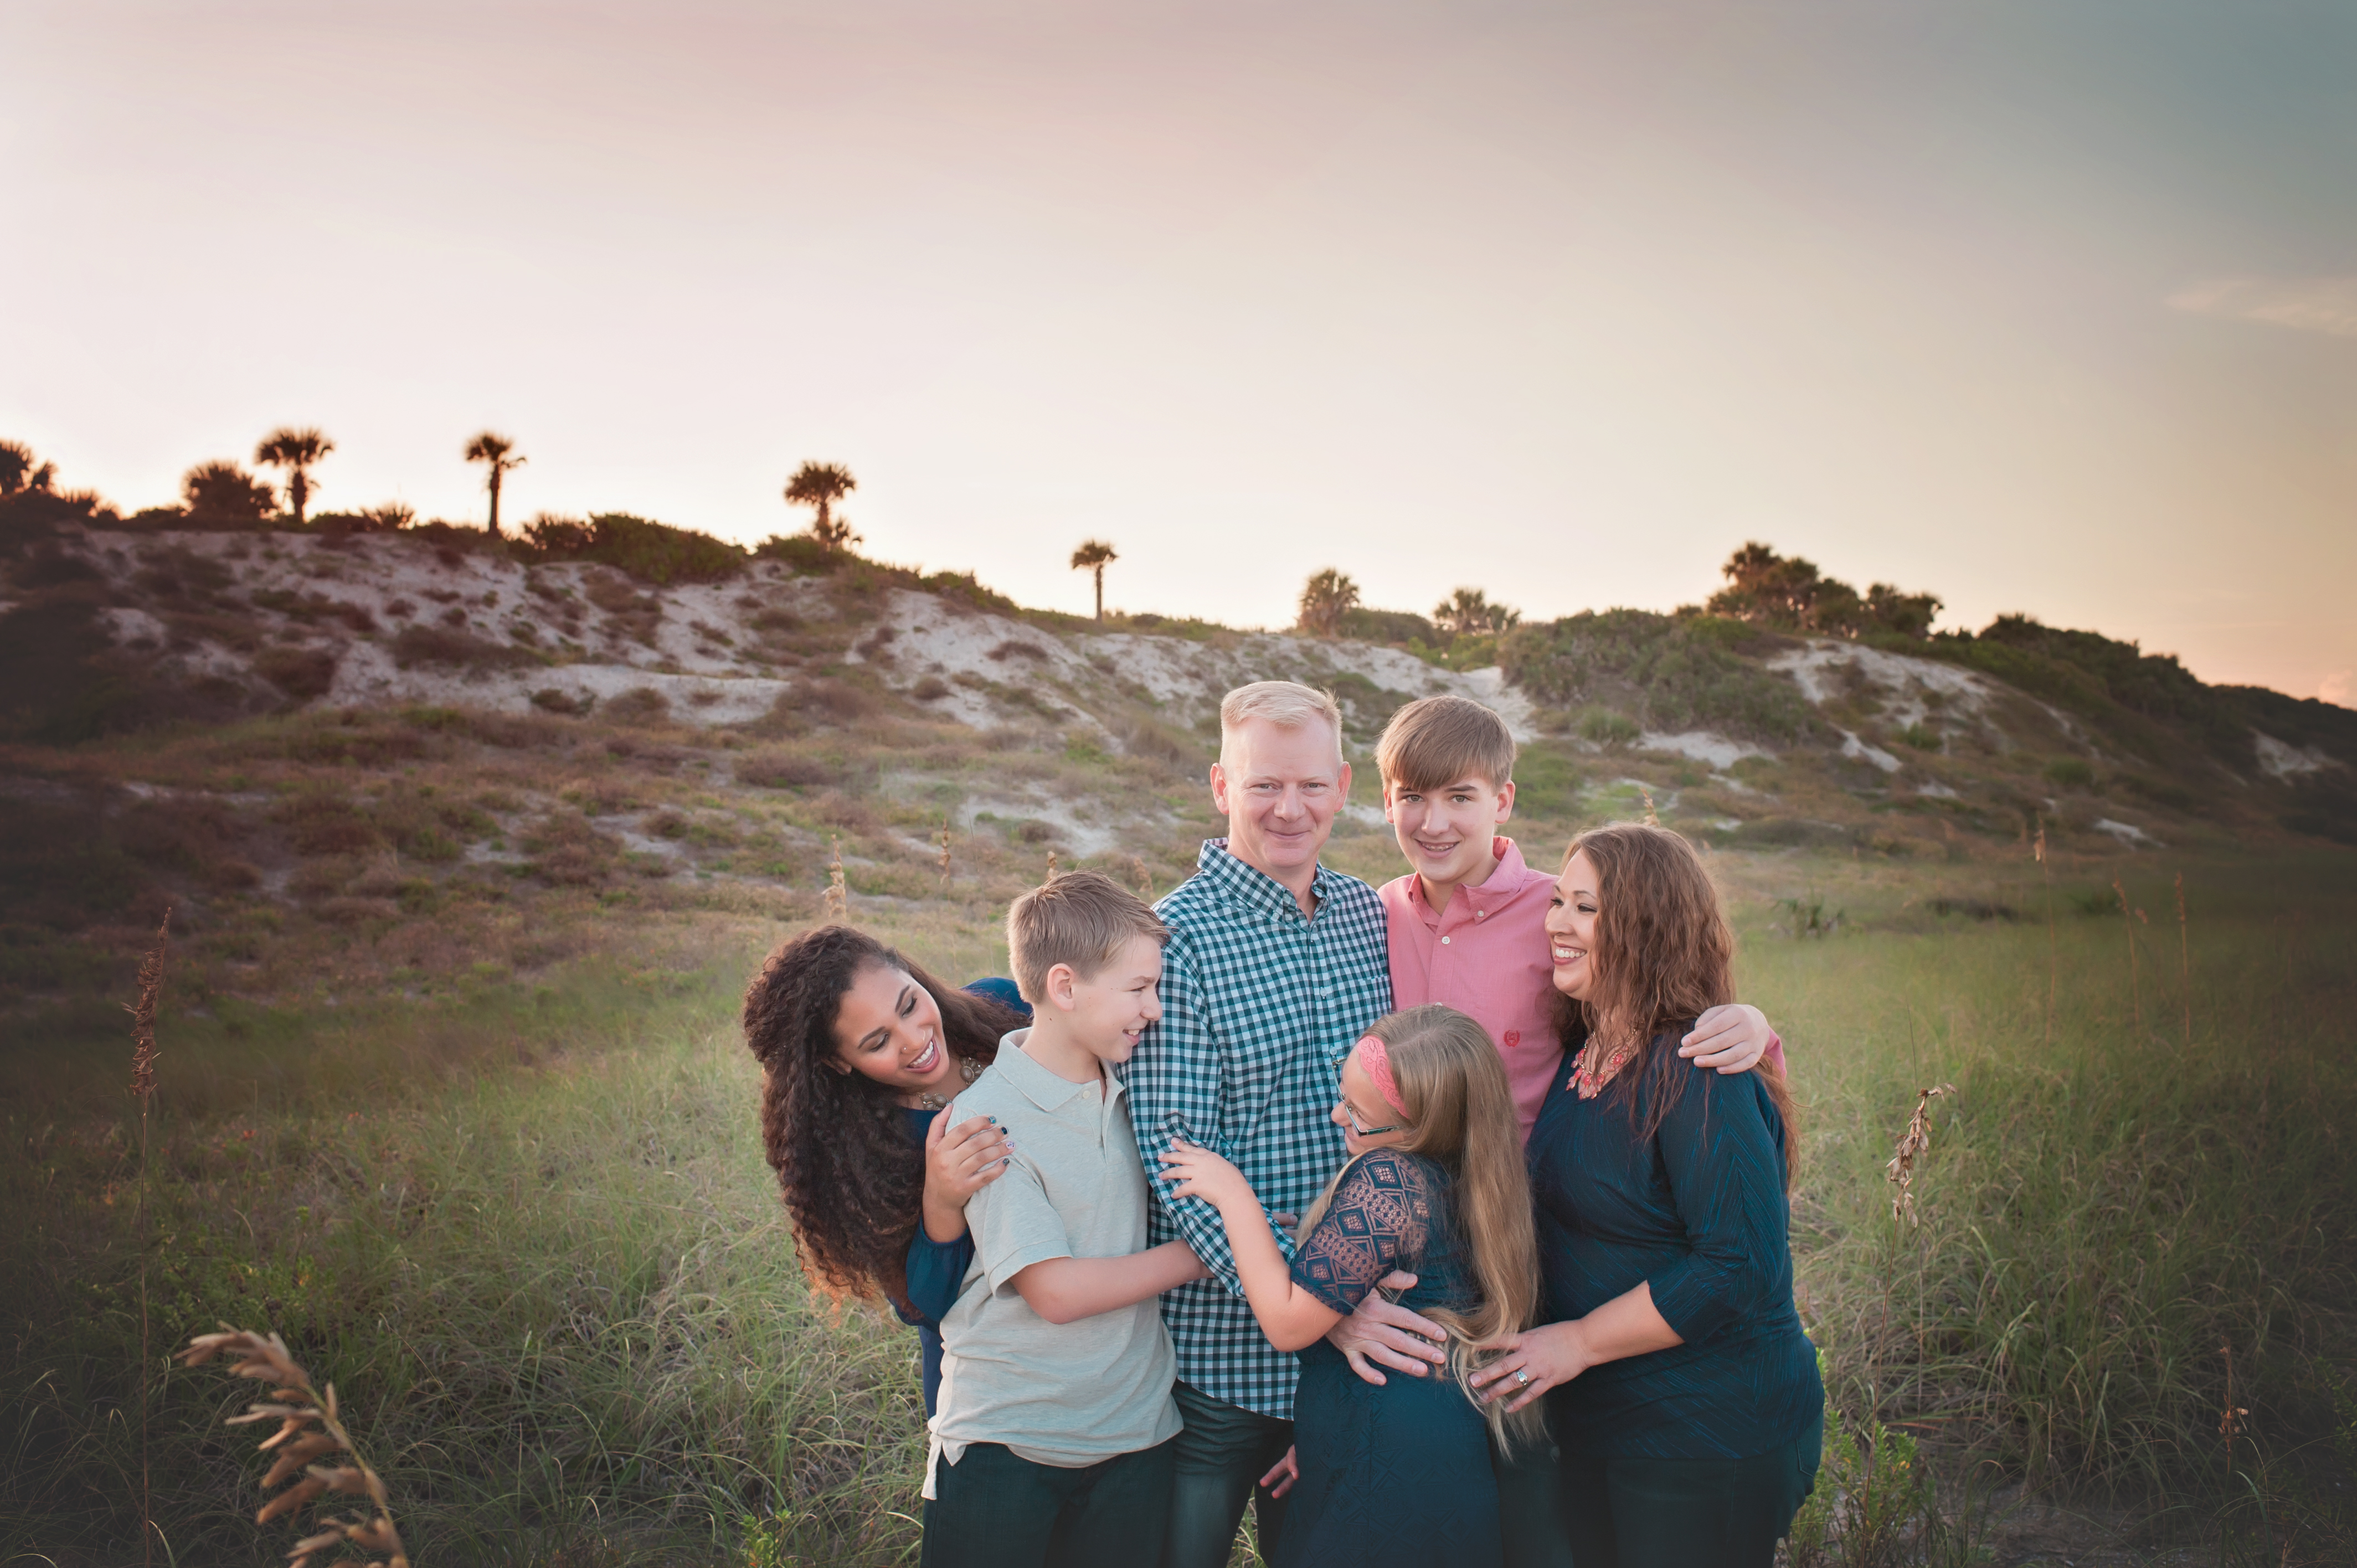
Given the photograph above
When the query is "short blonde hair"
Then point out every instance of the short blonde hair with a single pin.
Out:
(1082, 919)
(1287, 705)
(1435, 742)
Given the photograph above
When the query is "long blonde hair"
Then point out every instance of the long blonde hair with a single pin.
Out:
(1459, 1115)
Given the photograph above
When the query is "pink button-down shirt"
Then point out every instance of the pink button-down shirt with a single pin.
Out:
(1487, 955)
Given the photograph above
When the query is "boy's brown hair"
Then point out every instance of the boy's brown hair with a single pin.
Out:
(1082, 919)
(1435, 742)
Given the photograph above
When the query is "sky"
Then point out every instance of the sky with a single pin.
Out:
(2040, 305)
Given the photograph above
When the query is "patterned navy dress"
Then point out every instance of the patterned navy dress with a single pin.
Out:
(1399, 1473)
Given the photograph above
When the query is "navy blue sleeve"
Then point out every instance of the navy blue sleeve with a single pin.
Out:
(1000, 989)
(936, 1269)
(1726, 1173)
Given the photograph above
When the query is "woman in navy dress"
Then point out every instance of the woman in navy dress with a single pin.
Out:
(1399, 1472)
(1681, 1390)
(862, 1051)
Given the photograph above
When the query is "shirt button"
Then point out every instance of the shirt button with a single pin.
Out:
(1444, 941)
(1480, 914)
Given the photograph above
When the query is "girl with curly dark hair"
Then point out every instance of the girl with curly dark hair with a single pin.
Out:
(863, 1052)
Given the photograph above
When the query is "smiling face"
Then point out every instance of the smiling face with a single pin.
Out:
(1448, 834)
(1108, 1010)
(1571, 929)
(887, 1028)
(1362, 1101)
(1280, 790)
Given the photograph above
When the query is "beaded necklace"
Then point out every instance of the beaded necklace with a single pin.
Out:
(968, 1069)
(1595, 1066)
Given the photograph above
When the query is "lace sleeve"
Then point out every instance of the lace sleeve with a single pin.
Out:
(1379, 1220)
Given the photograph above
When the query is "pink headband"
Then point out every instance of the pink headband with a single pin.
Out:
(1377, 1060)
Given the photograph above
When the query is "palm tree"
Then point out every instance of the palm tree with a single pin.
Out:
(18, 471)
(222, 495)
(499, 453)
(1092, 556)
(821, 485)
(295, 451)
(1326, 599)
(1469, 611)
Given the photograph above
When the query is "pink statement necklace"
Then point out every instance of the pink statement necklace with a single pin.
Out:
(1595, 1066)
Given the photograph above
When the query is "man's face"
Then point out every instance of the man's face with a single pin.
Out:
(1447, 834)
(1279, 790)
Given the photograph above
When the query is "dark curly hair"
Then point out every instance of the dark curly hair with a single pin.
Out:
(854, 1183)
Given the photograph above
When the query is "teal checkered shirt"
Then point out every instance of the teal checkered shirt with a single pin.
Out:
(1260, 1006)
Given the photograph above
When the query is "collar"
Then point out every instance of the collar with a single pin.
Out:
(1256, 889)
(1043, 1089)
(1509, 878)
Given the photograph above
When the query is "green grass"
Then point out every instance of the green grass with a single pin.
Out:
(562, 1301)
(2107, 1201)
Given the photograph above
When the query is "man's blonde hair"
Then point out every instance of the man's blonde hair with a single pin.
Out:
(1082, 919)
(1287, 705)
(1435, 742)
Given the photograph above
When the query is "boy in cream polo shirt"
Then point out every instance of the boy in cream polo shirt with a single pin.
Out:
(1051, 1447)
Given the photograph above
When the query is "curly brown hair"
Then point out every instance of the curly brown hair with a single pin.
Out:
(1664, 957)
(853, 1183)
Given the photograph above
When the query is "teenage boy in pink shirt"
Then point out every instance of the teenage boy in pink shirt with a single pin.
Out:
(1465, 928)
(1467, 925)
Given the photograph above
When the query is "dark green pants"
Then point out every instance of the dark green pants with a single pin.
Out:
(1529, 1523)
(994, 1510)
(1216, 1466)
(1685, 1513)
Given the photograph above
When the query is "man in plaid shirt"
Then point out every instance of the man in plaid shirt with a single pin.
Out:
(1274, 967)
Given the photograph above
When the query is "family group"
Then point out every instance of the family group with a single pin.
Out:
(1446, 1221)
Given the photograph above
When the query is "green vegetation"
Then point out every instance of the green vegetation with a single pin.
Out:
(449, 1091)
(525, 1225)
(1663, 672)
(651, 552)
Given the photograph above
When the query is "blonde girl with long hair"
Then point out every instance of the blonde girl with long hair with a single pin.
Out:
(1435, 1186)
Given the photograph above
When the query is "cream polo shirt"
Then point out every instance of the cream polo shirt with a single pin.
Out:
(1066, 1394)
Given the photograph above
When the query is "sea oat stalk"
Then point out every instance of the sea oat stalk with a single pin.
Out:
(1912, 1144)
(2136, 986)
(310, 1427)
(2230, 1423)
(838, 891)
(2053, 960)
(2184, 963)
(945, 860)
(143, 1089)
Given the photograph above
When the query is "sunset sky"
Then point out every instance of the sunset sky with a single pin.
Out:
(2042, 305)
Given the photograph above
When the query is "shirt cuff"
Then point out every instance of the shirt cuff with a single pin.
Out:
(1691, 1304)
(999, 1273)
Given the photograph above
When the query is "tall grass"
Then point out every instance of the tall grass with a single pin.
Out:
(2098, 1214)
(566, 1296)
(531, 1228)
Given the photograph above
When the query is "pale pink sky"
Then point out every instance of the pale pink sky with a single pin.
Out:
(2055, 312)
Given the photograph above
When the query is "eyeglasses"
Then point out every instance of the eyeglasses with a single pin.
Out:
(1353, 1116)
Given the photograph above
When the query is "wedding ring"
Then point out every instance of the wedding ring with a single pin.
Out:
(1522, 1377)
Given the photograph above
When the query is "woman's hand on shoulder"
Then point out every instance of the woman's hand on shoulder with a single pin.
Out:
(961, 1161)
